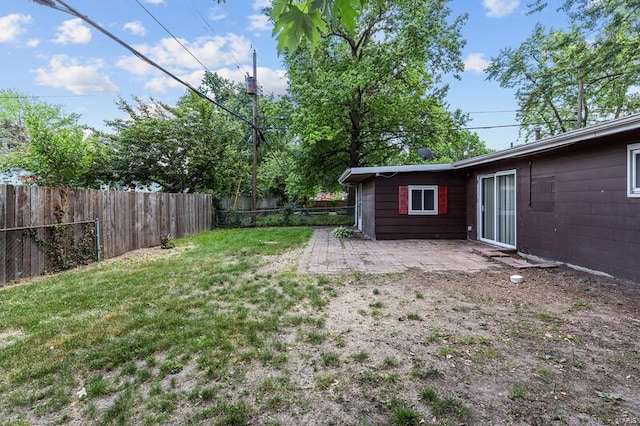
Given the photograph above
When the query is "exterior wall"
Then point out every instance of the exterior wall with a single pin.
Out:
(572, 206)
(368, 208)
(390, 225)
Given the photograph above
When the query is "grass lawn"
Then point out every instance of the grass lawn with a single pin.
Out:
(141, 341)
(223, 330)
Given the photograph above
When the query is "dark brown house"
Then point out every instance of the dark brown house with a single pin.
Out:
(572, 198)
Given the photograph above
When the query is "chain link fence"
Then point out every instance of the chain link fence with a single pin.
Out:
(35, 250)
(285, 216)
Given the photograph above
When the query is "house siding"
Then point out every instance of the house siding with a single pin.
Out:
(572, 206)
(389, 224)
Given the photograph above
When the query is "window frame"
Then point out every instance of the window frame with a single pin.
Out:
(421, 212)
(633, 170)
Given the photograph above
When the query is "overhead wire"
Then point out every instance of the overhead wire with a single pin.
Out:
(210, 28)
(171, 34)
(70, 10)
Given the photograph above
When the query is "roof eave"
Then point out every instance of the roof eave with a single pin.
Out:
(631, 122)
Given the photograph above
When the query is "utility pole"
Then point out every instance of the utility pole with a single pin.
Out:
(254, 135)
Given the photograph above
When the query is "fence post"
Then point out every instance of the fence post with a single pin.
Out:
(97, 225)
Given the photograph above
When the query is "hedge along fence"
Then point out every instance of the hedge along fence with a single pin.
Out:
(42, 229)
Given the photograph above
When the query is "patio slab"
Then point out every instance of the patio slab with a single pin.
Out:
(326, 254)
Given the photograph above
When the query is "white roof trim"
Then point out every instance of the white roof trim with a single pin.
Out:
(631, 122)
(365, 172)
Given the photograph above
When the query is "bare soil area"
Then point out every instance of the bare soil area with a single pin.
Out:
(563, 347)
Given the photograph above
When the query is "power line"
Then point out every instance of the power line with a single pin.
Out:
(68, 9)
(208, 26)
(171, 34)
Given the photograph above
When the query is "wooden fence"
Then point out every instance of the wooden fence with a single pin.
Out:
(127, 221)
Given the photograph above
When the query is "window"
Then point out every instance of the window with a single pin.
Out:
(423, 199)
(633, 170)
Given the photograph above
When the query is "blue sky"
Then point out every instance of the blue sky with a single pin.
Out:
(59, 58)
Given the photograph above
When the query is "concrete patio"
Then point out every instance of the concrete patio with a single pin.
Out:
(329, 255)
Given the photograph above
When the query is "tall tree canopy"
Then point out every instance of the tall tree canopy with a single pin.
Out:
(191, 147)
(53, 147)
(369, 95)
(569, 78)
(195, 146)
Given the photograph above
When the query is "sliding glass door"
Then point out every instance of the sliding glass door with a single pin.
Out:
(497, 208)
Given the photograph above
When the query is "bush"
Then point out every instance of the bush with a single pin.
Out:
(342, 232)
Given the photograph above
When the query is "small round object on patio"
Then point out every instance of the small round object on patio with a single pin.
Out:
(516, 279)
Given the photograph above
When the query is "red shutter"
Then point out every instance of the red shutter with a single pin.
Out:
(403, 200)
(442, 199)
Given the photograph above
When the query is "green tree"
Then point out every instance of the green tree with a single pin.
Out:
(303, 22)
(277, 173)
(50, 145)
(191, 147)
(588, 73)
(372, 95)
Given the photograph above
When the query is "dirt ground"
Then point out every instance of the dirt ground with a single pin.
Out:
(448, 348)
(563, 347)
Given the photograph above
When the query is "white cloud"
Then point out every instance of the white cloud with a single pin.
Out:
(134, 65)
(154, 1)
(500, 8)
(214, 52)
(259, 23)
(135, 27)
(68, 73)
(475, 62)
(217, 14)
(271, 81)
(261, 4)
(73, 31)
(34, 42)
(12, 26)
(162, 83)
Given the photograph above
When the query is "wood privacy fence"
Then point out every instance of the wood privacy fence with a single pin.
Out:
(127, 221)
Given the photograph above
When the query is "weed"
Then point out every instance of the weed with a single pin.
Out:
(430, 372)
(464, 308)
(340, 342)
(429, 395)
(330, 359)
(413, 316)
(579, 304)
(342, 232)
(119, 412)
(392, 378)
(171, 367)
(98, 386)
(388, 363)
(608, 396)
(325, 381)
(406, 416)
(376, 291)
(517, 391)
(548, 317)
(419, 295)
(487, 352)
(316, 338)
(446, 350)
(235, 415)
(361, 356)
(167, 242)
(376, 305)
(544, 374)
(448, 406)
(436, 335)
